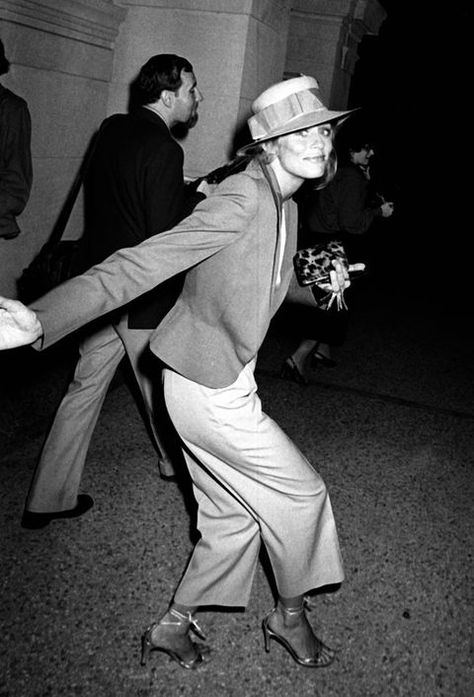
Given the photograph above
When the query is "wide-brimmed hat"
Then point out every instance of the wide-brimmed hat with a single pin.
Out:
(286, 107)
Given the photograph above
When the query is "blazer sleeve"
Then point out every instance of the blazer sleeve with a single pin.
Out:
(128, 273)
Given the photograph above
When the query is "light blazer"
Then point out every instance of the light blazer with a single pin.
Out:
(230, 244)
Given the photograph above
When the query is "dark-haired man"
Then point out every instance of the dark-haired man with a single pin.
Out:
(134, 189)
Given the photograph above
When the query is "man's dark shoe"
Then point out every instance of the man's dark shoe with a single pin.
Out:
(167, 470)
(34, 521)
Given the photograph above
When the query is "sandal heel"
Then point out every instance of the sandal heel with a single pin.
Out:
(322, 657)
(189, 655)
(146, 645)
(266, 636)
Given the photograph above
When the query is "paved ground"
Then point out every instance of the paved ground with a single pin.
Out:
(391, 431)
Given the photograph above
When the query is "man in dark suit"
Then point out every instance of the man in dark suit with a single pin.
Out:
(134, 189)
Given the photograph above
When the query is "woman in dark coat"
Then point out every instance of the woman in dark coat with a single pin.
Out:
(343, 210)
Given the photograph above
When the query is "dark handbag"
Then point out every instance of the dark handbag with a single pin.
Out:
(58, 260)
(312, 267)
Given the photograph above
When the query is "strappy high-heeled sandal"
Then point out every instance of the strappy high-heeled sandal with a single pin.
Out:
(182, 624)
(323, 656)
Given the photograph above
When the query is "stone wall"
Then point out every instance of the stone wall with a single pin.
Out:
(323, 40)
(73, 61)
(61, 56)
(237, 47)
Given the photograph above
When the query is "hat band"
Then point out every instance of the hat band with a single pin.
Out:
(274, 116)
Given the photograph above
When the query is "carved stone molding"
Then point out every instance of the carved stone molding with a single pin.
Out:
(324, 38)
(273, 13)
(365, 16)
(95, 22)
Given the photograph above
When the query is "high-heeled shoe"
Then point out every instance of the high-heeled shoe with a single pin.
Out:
(319, 359)
(290, 371)
(323, 656)
(183, 623)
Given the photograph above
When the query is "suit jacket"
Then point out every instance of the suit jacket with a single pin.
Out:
(231, 246)
(134, 189)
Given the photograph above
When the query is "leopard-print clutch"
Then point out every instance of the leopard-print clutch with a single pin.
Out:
(313, 264)
(312, 267)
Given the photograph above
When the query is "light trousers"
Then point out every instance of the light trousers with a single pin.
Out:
(57, 477)
(252, 485)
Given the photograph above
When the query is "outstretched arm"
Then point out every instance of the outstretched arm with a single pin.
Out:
(130, 272)
(19, 326)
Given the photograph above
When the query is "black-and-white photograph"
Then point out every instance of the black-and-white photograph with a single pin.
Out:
(236, 355)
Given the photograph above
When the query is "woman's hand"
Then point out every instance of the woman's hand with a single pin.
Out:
(339, 277)
(19, 326)
(339, 281)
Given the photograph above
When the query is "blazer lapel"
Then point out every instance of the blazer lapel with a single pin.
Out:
(275, 189)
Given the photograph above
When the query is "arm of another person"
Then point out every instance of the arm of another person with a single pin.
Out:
(15, 159)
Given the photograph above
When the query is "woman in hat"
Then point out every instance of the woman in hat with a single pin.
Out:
(251, 483)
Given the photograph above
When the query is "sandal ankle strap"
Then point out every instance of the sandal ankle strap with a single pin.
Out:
(291, 610)
(186, 619)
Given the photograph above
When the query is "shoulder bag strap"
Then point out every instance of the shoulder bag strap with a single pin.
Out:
(66, 210)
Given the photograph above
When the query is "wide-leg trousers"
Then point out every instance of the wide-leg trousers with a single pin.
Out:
(252, 485)
(57, 477)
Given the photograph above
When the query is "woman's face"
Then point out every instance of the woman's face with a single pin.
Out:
(304, 154)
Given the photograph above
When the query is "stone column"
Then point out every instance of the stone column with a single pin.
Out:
(323, 40)
(237, 48)
(61, 57)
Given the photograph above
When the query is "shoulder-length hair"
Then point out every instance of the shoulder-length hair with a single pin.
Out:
(263, 155)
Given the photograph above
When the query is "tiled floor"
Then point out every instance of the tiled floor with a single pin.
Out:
(391, 430)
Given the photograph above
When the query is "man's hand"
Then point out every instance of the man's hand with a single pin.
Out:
(19, 326)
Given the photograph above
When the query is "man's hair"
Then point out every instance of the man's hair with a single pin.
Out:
(161, 72)
(4, 63)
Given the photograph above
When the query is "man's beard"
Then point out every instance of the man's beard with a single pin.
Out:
(180, 131)
(192, 121)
